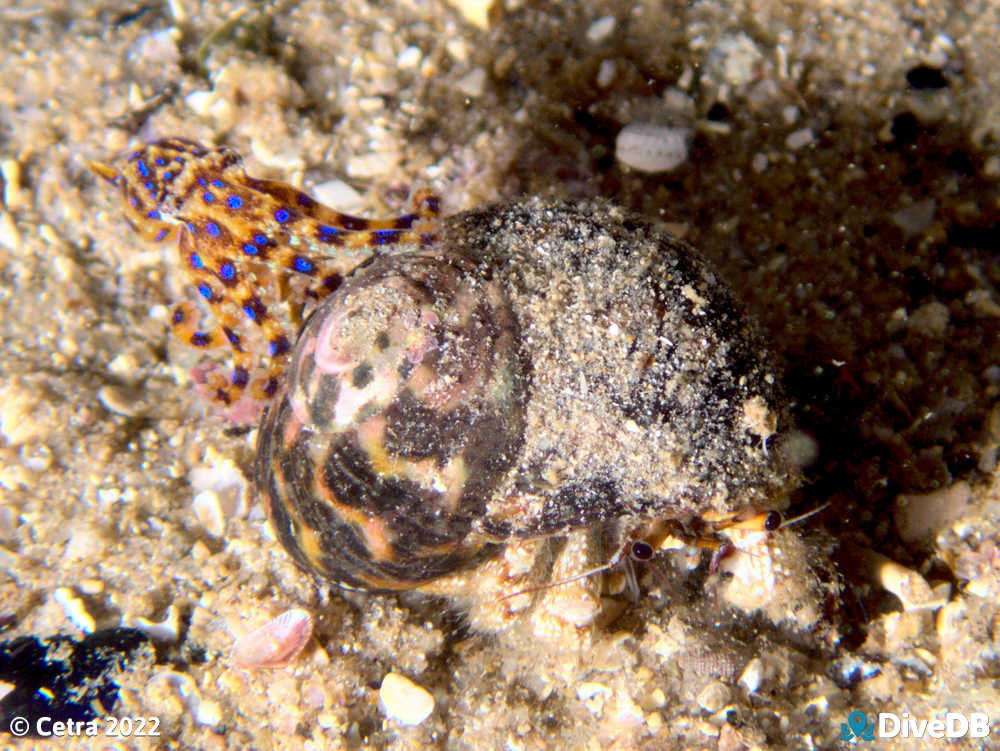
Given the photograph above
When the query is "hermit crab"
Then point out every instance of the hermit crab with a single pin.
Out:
(450, 393)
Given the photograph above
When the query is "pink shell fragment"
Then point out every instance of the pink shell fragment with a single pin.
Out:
(275, 644)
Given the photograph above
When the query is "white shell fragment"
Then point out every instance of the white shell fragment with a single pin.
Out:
(799, 138)
(166, 631)
(473, 84)
(404, 701)
(73, 607)
(910, 587)
(648, 147)
(276, 643)
(600, 29)
(208, 512)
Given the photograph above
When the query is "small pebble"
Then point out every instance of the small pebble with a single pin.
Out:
(275, 644)
(473, 84)
(10, 237)
(108, 496)
(590, 689)
(799, 138)
(207, 713)
(166, 631)
(648, 147)
(714, 696)
(606, 73)
(917, 217)
(405, 701)
(73, 607)
(126, 367)
(212, 104)
(14, 195)
(601, 29)
(408, 58)
(930, 319)
(734, 59)
(476, 12)
(982, 302)
(753, 675)
(208, 512)
(919, 517)
(952, 620)
(120, 400)
(84, 543)
(340, 194)
(373, 165)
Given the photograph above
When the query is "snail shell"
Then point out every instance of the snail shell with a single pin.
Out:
(541, 368)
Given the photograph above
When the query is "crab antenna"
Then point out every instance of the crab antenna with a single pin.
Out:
(803, 517)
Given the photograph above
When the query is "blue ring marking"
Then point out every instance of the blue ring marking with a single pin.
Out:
(132, 200)
(240, 377)
(160, 161)
(383, 236)
(302, 265)
(281, 216)
(213, 229)
(168, 175)
(234, 202)
(160, 235)
(191, 228)
(153, 214)
(250, 250)
(278, 346)
(326, 229)
(260, 239)
(150, 187)
(251, 313)
(196, 262)
(227, 271)
(218, 183)
(232, 336)
(178, 316)
(199, 339)
(207, 197)
(202, 181)
(205, 291)
(143, 169)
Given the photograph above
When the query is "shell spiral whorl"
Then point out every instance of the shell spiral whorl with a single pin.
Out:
(405, 407)
(540, 368)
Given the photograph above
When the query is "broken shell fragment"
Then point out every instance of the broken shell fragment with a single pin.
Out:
(910, 587)
(405, 701)
(275, 644)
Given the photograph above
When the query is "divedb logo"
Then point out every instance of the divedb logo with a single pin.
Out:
(891, 725)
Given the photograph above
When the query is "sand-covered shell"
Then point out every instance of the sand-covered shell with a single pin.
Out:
(539, 368)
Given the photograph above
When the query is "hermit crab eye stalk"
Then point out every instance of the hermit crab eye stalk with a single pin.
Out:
(772, 521)
(641, 551)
